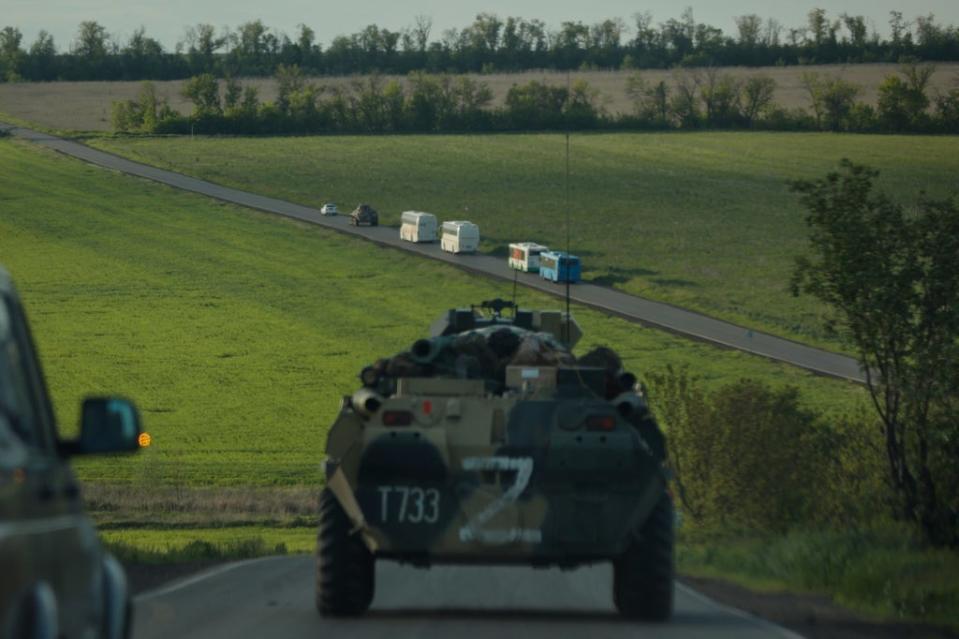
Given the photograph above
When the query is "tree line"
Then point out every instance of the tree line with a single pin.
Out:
(489, 44)
(430, 103)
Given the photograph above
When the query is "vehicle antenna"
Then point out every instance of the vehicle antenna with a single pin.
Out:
(566, 122)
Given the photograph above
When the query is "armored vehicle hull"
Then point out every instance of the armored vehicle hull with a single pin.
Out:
(494, 445)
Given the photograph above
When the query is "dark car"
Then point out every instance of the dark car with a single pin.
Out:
(364, 215)
(56, 580)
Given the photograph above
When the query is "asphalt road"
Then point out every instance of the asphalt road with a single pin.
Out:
(273, 597)
(630, 307)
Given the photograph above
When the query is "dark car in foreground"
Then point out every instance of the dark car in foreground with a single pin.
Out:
(56, 580)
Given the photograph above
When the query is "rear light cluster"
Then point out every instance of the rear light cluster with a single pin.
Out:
(397, 418)
(601, 422)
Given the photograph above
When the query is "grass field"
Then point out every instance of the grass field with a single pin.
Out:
(237, 332)
(881, 573)
(163, 545)
(701, 220)
(85, 106)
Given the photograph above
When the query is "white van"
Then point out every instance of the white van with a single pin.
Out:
(460, 237)
(524, 256)
(416, 226)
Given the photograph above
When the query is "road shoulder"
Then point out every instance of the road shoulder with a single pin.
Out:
(812, 616)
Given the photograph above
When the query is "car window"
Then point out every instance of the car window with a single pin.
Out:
(20, 399)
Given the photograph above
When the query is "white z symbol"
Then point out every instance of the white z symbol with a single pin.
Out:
(472, 531)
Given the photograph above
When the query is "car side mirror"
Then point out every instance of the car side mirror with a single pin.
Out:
(107, 425)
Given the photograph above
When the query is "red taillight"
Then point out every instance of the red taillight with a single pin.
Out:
(397, 418)
(601, 422)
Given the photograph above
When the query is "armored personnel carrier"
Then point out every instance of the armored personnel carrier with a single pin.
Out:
(490, 443)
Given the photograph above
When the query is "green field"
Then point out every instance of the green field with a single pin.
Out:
(238, 332)
(138, 545)
(881, 572)
(701, 220)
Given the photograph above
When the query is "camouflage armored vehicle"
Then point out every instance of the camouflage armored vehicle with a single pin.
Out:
(491, 443)
(364, 215)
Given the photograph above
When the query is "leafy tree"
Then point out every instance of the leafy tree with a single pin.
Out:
(582, 109)
(42, 60)
(203, 45)
(143, 114)
(832, 99)
(91, 43)
(143, 55)
(204, 91)
(150, 106)
(720, 94)
(305, 47)
(947, 110)
(757, 96)
(746, 457)
(891, 279)
(903, 101)
(231, 94)
(818, 26)
(422, 25)
(750, 28)
(650, 102)
(471, 98)
(856, 25)
(431, 101)
(11, 55)
(250, 102)
(289, 80)
(684, 104)
(536, 105)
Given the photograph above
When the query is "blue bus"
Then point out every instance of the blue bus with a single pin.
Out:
(558, 266)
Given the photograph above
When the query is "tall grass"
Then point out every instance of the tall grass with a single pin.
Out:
(206, 544)
(881, 571)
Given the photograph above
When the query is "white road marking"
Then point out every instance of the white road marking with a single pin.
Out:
(786, 633)
(195, 579)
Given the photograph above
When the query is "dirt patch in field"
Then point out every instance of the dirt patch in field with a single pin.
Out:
(86, 106)
(123, 506)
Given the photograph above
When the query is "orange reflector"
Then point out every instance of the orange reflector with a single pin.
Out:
(601, 422)
(144, 440)
(397, 418)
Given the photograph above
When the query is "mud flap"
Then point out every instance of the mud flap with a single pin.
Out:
(340, 487)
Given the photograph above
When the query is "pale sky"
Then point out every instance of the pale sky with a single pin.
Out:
(166, 20)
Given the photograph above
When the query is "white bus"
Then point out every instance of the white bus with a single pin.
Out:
(460, 237)
(416, 226)
(524, 256)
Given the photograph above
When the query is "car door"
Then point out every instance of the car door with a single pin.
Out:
(56, 543)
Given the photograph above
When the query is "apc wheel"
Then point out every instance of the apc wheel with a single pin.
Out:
(344, 566)
(643, 575)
